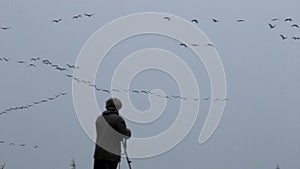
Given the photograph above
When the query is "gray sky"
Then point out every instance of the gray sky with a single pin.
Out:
(260, 125)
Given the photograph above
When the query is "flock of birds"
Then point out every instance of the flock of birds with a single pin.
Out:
(75, 17)
(32, 104)
(20, 145)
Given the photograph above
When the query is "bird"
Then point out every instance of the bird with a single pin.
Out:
(5, 28)
(69, 76)
(271, 26)
(34, 59)
(44, 101)
(215, 20)
(240, 20)
(62, 93)
(274, 19)
(50, 98)
(47, 62)
(12, 144)
(5, 59)
(144, 91)
(89, 15)
(76, 16)
(296, 37)
(104, 90)
(31, 65)
(36, 102)
(72, 66)
(288, 20)
(206, 98)
(195, 21)
(22, 145)
(182, 44)
(283, 37)
(295, 25)
(209, 44)
(135, 91)
(36, 146)
(21, 61)
(167, 18)
(56, 20)
(60, 69)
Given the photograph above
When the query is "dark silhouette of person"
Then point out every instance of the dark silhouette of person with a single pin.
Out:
(111, 130)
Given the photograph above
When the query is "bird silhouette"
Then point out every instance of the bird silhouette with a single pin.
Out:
(274, 19)
(215, 20)
(135, 91)
(210, 45)
(271, 26)
(288, 20)
(195, 21)
(76, 16)
(89, 15)
(72, 66)
(31, 65)
(63, 94)
(296, 37)
(12, 144)
(240, 20)
(206, 98)
(60, 69)
(283, 37)
(167, 18)
(70, 76)
(5, 59)
(56, 20)
(295, 25)
(5, 28)
(21, 61)
(34, 59)
(182, 44)
(36, 146)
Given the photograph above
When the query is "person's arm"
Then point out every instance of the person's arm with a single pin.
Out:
(121, 125)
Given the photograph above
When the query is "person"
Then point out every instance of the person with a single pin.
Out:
(111, 130)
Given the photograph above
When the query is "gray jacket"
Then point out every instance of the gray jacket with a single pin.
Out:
(111, 130)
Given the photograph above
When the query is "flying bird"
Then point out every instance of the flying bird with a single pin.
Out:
(283, 37)
(31, 65)
(167, 18)
(60, 69)
(72, 66)
(21, 61)
(76, 16)
(5, 28)
(182, 44)
(206, 98)
(34, 59)
(240, 20)
(36, 146)
(271, 26)
(12, 144)
(288, 20)
(50, 98)
(195, 21)
(63, 93)
(89, 15)
(295, 25)
(5, 59)
(135, 91)
(296, 37)
(56, 20)
(22, 145)
(209, 44)
(73, 164)
(69, 76)
(215, 20)
(274, 19)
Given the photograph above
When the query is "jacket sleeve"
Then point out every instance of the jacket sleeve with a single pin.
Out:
(121, 125)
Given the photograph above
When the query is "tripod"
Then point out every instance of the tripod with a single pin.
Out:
(125, 152)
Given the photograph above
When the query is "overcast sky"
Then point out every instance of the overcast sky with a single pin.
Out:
(261, 122)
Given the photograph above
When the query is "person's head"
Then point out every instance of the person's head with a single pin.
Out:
(113, 104)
